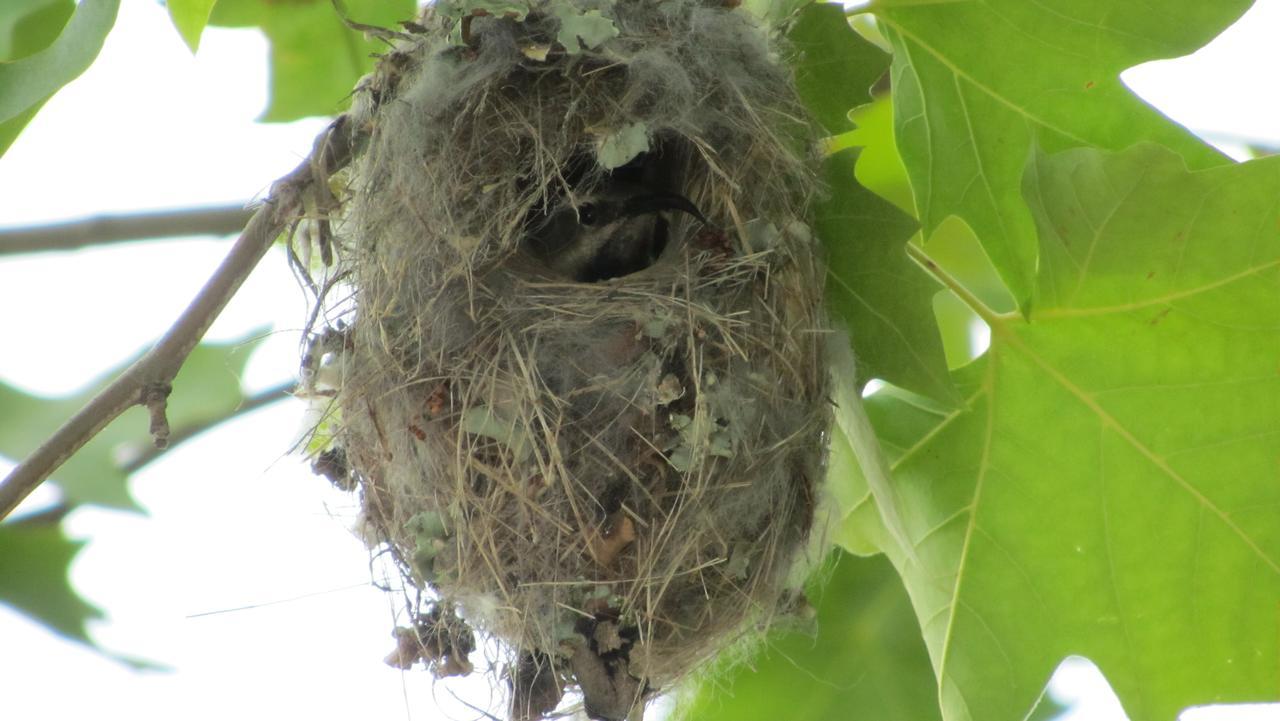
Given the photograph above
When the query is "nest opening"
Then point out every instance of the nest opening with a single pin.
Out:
(592, 203)
(573, 357)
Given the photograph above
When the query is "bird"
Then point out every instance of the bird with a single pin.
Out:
(614, 230)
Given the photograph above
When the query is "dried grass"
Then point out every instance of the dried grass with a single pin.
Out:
(615, 477)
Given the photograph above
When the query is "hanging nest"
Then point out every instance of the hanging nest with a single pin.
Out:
(573, 339)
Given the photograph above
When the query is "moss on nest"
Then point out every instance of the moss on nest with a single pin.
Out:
(613, 477)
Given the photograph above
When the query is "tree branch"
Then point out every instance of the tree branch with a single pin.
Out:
(104, 229)
(147, 380)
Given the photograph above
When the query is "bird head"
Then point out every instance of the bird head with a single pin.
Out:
(616, 230)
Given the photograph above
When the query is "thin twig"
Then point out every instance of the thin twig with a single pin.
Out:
(106, 229)
(186, 433)
(140, 382)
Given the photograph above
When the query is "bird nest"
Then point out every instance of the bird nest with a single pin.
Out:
(570, 334)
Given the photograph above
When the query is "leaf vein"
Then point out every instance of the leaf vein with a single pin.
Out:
(1110, 421)
(983, 467)
(1167, 298)
(1019, 110)
(1101, 230)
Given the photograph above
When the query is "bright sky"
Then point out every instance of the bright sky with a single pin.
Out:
(233, 521)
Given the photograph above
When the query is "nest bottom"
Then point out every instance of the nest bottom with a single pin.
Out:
(613, 478)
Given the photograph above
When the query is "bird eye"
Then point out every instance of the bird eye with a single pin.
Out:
(587, 214)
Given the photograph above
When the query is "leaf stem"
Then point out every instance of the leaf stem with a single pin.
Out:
(989, 316)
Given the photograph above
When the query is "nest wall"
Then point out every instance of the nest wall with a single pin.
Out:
(611, 477)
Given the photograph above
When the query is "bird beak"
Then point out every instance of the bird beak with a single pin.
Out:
(655, 202)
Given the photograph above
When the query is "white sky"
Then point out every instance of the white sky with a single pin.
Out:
(234, 522)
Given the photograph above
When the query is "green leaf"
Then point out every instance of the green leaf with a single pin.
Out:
(34, 561)
(12, 128)
(237, 13)
(27, 83)
(29, 80)
(849, 492)
(835, 66)
(620, 146)
(866, 661)
(516, 9)
(190, 17)
(1048, 709)
(29, 26)
(879, 168)
(315, 58)
(774, 11)
(900, 419)
(885, 299)
(975, 82)
(1111, 490)
(589, 28)
(208, 386)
